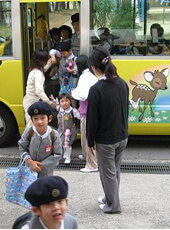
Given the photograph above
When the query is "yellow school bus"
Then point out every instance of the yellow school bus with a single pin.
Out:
(136, 33)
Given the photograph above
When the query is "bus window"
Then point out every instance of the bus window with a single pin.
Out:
(139, 28)
(5, 29)
(59, 15)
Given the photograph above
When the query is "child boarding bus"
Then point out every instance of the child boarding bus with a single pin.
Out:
(136, 33)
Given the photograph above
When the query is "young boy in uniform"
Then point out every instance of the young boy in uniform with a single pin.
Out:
(48, 197)
(40, 144)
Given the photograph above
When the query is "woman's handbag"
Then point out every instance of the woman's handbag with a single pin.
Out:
(18, 180)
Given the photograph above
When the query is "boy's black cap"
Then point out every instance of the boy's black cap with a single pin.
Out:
(46, 189)
(39, 107)
(75, 17)
(64, 46)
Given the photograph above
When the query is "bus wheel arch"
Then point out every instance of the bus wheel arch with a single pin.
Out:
(8, 126)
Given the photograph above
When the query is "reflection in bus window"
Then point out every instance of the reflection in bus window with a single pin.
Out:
(5, 29)
(124, 17)
(60, 15)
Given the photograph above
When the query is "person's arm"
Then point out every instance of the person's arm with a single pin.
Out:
(76, 113)
(81, 92)
(24, 144)
(48, 65)
(39, 89)
(39, 86)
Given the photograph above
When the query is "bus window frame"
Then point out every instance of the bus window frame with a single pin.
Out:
(85, 27)
(16, 35)
(124, 57)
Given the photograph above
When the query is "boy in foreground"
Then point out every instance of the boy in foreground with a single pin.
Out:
(40, 144)
(48, 197)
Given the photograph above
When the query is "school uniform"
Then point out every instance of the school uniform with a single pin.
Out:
(40, 148)
(62, 69)
(75, 43)
(69, 222)
(66, 121)
(47, 190)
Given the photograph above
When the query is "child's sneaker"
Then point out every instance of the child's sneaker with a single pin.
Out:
(81, 157)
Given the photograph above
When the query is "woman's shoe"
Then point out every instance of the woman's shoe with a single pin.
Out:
(87, 170)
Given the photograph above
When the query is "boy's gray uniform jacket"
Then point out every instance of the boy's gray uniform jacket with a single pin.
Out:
(36, 149)
(69, 223)
(75, 43)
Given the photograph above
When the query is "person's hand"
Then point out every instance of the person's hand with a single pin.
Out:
(35, 166)
(51, 97)
(53, 59)
(53, 105)
(70, 70)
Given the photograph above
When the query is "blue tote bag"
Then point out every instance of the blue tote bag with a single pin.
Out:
(18, 180)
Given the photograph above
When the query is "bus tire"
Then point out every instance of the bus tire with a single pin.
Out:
(7, 127)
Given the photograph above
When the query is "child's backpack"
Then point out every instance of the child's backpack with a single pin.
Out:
(22, 220)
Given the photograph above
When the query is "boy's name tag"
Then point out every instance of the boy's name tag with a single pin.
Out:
(48, 149)
(66, 117)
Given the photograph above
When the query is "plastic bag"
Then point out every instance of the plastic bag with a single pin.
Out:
(18, 179)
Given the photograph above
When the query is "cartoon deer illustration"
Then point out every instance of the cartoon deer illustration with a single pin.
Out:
(141, 92)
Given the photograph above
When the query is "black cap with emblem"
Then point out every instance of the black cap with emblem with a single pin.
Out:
(46, 189)
(39, 107)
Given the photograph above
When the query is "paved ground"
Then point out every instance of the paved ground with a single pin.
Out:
(139, 149)
(144, 199)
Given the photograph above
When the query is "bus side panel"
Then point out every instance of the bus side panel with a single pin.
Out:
(152, 118)
(12, 89)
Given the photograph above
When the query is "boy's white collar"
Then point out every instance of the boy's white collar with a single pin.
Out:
(70, 57)
(49, 129)
(61, 226)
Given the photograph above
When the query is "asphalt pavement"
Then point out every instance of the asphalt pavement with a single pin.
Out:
(144, 199)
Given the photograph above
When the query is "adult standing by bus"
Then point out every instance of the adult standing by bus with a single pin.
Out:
(75, 40)
(35, 83)
(107, 126)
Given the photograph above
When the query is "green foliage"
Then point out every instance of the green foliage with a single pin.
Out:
(102, 12)
(5, 31)
(107, 13)
(123, 17)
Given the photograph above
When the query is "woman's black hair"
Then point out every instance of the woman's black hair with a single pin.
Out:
(66, 95)
(100, 59)
(39, 58)
(82, 63)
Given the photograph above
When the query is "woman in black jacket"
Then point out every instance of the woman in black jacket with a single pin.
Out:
(107, 126)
